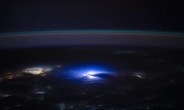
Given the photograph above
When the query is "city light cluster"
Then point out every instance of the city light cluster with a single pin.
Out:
(37, 70)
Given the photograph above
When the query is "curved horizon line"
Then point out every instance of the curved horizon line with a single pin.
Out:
(91, 31)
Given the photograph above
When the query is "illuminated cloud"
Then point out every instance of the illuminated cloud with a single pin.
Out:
(37, 70)
(139, 75)
(91, 74)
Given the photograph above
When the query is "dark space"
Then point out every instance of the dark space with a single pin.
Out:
(39, 15)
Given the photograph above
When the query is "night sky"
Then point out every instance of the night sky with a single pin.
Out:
(43, 15)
